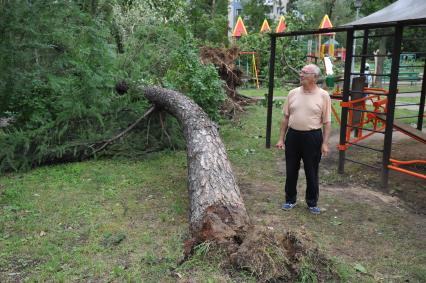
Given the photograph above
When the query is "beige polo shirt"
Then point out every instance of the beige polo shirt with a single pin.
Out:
(307, 111)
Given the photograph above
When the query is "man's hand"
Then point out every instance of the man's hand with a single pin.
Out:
(280, 145)
(324, 149)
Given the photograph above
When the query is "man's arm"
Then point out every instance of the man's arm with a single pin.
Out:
(326, 138)
(283, 131)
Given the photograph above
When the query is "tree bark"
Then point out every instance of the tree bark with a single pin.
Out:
(217, 211)
(381, 62)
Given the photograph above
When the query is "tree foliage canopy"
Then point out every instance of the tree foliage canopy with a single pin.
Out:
(208, 20)
(254, 12)
(61, 61)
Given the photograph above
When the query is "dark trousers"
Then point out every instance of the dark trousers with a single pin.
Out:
(305, 145)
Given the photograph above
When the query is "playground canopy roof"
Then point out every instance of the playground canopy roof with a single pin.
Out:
(400, 11)
(332, 41)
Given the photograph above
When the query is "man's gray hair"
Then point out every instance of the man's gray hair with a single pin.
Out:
(315, 69)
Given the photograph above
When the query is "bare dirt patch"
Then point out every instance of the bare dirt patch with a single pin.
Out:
(357, 225)
(410, 189)
(17, 269)
(360, 223)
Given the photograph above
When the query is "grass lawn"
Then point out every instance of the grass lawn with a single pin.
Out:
(410, 87)
(126, 220)
(261, 92)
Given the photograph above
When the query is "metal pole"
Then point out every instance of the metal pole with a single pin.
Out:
(270, 91)
(393, 85)
(422, 101)
(346, 88)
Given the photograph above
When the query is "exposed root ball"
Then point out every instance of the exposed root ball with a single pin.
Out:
(224, 60)
(281, 256)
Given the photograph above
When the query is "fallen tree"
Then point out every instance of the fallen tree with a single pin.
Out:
(217, 211)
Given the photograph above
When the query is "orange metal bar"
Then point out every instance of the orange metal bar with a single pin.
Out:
(399, 162)
(345, 104)
(376, 90)
(362, 99)
(364, 137)
(380, 106)
(380, 102)
(335, 114)
(373, 91)
(342, 147)
(349, 126)
(418, 175)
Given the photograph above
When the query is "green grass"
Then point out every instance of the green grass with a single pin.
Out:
(262, 91)
(120, 220)
(410, 87)
(55, 220)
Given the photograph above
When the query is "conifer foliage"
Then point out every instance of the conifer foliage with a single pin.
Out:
(68, 74)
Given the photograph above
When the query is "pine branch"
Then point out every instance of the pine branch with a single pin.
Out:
(148, 112)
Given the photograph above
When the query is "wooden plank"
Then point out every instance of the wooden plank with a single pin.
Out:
(406, 129)
(357, 88)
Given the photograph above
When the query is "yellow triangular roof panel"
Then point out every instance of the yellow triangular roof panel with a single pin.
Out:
(265, 27)
(240, 28)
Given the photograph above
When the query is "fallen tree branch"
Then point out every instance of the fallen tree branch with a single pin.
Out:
(296, 72)
(163, 127)
(148, 112)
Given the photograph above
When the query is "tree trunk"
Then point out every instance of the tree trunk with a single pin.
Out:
(217, 210)
(381, 62)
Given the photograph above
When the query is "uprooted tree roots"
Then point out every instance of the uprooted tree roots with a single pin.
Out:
(272, 256)
(268, 254)
(224, 60)
(280, 256)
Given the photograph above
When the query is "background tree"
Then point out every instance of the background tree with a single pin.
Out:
(254, 12)
(61, 62)
(209, 22)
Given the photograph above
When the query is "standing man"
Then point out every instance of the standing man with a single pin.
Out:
(306, 126)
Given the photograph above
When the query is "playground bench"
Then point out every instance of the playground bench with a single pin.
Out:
(412, 77)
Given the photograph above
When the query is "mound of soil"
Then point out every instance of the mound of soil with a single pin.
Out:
(282, 256)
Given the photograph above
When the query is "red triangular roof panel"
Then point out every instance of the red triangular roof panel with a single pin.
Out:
(239, 29)
(326, 23)
(281, 25)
